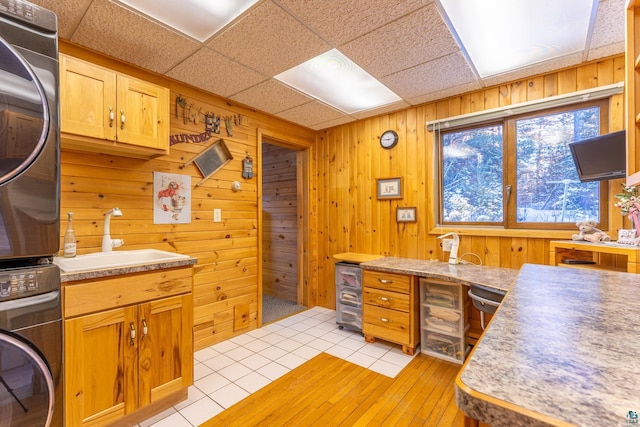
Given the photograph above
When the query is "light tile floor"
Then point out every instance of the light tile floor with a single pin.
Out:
(228, 372)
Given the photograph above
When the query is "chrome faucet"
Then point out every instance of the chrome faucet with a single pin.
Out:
(107, 242)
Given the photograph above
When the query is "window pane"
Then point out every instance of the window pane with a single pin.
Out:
(547, 181)
(472, 175)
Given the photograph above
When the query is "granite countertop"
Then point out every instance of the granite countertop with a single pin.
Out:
(115, 271)
(561, 350)
(465, 274)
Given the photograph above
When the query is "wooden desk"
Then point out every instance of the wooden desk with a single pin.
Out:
(607, 256)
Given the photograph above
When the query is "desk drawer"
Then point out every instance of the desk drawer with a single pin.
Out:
(386, 299)
(387, 281)
(385, 323)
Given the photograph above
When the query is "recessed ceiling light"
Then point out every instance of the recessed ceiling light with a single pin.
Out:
(199, 19)
(503, 35)
(336, 80)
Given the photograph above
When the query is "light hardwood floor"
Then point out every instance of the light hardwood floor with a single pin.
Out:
(327, 391)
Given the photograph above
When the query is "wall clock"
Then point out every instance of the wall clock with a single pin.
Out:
(388, 139)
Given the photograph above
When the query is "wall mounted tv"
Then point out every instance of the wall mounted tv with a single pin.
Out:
(601, 158)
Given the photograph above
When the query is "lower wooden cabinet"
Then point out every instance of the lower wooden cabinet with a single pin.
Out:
(120, 360)
(390, 309)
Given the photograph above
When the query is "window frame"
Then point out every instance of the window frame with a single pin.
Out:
(509, 171)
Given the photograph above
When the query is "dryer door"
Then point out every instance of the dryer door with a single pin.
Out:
(24, 114)
(26, 385)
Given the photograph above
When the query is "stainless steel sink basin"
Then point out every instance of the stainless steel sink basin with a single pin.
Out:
(114, 259)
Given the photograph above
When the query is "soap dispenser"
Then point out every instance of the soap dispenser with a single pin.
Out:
(70, 238)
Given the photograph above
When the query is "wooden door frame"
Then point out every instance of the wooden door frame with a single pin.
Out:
(306, 280)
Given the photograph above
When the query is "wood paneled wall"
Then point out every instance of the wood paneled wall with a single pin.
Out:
(227, 274)
(279, 222)
(350, 159)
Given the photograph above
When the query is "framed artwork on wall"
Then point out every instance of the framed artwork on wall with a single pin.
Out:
(406, 214)
(389, 188)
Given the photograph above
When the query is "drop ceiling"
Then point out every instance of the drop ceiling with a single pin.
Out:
(405, 44)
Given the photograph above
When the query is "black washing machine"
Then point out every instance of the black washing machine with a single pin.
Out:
(30, 347)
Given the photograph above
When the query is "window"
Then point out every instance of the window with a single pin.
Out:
(519, 173)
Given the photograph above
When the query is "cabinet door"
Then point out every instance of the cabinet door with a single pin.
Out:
(166, 349)
(145, 108)
(87, 93)
(100, 363)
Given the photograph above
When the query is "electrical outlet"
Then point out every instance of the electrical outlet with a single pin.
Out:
(446, 244)
(217, 215)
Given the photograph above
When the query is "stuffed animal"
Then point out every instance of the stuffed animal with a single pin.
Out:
(589, 232)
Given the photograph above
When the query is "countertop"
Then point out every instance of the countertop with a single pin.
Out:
(562, 349)
(465, 274)
(115, 271)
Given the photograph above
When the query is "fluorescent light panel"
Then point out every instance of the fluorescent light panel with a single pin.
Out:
(336, 80)
(503, 35)
(199, 19)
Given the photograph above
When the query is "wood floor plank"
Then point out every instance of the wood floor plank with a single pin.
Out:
(327, 391)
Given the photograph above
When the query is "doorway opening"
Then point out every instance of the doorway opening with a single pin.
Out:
(281, 275)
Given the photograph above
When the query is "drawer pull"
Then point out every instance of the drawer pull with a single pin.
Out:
(385, 281)
(385, 320)
(385, 299)
(132, 333)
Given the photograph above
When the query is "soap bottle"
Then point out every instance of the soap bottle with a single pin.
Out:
(70, 238)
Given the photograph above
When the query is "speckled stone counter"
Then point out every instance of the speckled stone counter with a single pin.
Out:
(562, 349)
(466, 274)
(115, 271)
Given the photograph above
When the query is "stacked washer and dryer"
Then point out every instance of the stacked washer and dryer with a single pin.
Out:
(30, 308)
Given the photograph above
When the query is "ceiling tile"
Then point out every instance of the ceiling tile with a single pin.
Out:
(445, 93)
(311, 114)
(382, 110)
(415, 39)
(432, 76)
(609, 26)
(210, 71)
(271, 96)
(332, 123)
(117, 32)
(543, 67)
(269, 40)
(608, 50)
(349, 19)
(69, 13)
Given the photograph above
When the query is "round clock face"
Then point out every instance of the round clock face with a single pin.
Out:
(389, 139)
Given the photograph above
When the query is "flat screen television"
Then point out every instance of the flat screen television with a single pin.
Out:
(601, 158)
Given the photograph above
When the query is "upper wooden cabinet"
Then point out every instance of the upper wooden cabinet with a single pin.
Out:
(105, 111)
(632, 69)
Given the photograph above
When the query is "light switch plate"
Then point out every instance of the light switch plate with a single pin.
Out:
(217, 215)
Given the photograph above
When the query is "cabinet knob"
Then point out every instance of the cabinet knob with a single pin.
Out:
(386, 282)
(112, 117)
(145, 329)
(385, 299)
(122, 119)
(385, 320)
(132, 333)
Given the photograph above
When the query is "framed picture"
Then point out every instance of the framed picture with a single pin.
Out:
(406, 214)
(389, 188)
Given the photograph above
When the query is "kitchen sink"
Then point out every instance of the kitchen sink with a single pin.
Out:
(99, 260)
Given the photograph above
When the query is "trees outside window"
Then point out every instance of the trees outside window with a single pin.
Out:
(519, 173)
